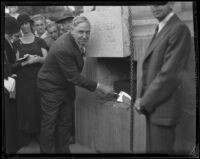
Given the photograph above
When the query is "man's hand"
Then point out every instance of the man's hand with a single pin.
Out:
(107, 90)
(137, 105)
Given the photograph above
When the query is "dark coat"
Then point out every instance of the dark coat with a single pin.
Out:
(9, 58)
(163, 67)
(9, 108)
(62, 67)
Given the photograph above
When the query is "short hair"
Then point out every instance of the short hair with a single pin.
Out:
(79, 19)
(38, 17)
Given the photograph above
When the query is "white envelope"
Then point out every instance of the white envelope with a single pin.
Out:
(9, 84)
(124, 97)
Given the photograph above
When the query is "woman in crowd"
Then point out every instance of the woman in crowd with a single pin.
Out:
(33, 50)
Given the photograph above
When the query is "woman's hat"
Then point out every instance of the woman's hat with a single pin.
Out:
(23, 18)
(11, 25)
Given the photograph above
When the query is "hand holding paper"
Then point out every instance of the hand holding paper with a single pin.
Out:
(124, 97)
(123, 100)
(107, 90)
(29, 59)
(23, 60)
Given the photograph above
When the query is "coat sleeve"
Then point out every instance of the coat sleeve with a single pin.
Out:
(168, 78)
(67, 63)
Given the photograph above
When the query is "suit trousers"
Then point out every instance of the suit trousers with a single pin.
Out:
(10, 128)
(56, 124)
(160, 139)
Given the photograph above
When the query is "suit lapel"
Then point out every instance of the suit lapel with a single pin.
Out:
(156, 40)
(77, 53)
(10, 51)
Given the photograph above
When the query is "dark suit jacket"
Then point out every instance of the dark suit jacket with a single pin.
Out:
(49, 41)
(9, 108)
(163, 66)
(6, 60)
(62, 67)
(9, 58)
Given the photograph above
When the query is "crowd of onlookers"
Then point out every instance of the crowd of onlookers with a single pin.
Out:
(43, 61)
(47, 70)
(30, 38)
(48, 29)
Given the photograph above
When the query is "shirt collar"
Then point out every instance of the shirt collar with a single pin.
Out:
(81, 47)
(44, 35)
(164, 21)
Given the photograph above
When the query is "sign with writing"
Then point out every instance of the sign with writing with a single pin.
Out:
(107, 34)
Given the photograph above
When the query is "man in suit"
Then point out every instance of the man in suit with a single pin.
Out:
(160, 88)
(10, 109)
(57, 80)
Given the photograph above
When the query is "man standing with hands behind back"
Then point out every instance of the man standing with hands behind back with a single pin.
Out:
(160, 88)
(57, 80)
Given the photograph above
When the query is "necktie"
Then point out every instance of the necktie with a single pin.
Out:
(154, 35)
(156, 31)
(83, 49)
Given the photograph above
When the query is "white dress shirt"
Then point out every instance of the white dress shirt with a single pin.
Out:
(164, 21)
(44, 35)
